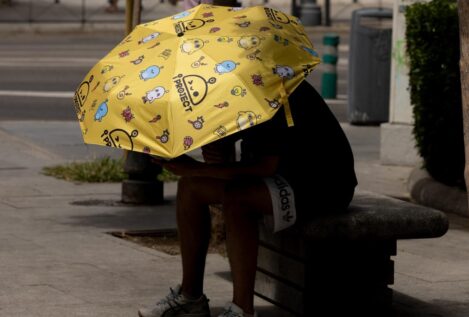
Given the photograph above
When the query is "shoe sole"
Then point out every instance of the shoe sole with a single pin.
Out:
(186, 315)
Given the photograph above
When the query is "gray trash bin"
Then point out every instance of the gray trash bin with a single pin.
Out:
(369, 66)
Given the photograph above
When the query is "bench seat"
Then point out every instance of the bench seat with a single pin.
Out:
(341, 263)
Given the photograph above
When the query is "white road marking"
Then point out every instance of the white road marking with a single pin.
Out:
(37, 94)
(47, 61)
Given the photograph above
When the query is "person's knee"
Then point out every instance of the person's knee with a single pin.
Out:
(233, 193)
(236, 199)
(187, 187)
(185, 182)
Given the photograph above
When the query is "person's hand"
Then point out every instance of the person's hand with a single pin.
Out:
(218, 152)
(183, 165)
(158, 159)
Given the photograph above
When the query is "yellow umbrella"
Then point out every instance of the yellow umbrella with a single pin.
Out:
(180, 82)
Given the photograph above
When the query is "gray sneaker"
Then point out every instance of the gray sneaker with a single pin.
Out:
(176, 305)
(231, 310)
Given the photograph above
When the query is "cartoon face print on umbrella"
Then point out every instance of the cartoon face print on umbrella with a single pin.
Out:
(187, 142)
(238, 91)
(107, 68)
(224, 39)
(149, 38)
(274, 104)
(198, 123)
(278, 16)
(183, 26)
(112, 82)
(193, 86)
(119, 138)
(220, 131)
(307, 69)
(165, 54)
(310, 51)
(182, 15)
(138, 60)
(249, 42)
(81, 94)
(246, 119)
(101, 112)
(127, 114)
(164, 138)
(155, 93)
(190, 46)
(191, 89)
(225, 67)
(283, 71)
(150, 72)
(123, 93)
(199, 62)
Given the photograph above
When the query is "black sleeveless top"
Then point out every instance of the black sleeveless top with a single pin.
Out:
(315, 154)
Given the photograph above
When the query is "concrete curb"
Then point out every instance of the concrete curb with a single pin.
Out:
(111, 27)
(428, 192)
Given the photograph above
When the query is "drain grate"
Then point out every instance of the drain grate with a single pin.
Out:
(98, 202)
(165, 240)
(113, 203)
(13, 168)
(145, 233)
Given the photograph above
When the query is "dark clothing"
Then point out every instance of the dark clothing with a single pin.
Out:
(315, 155)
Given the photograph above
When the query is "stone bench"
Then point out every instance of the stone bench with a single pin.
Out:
(341, 263)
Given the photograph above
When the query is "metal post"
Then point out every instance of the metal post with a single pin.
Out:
(83, 13)
(30, 12)
(327, 12)
(136, 13)
(310, 13)
(330, 57)
(295, 10)
(142, 186)
(129, 15)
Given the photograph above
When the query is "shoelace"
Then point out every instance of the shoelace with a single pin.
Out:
(171, 301)
(171, 296)
(230, 313)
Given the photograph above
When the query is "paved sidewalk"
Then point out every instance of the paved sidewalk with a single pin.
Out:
(57, 258)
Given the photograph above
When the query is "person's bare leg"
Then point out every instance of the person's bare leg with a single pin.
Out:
(243, 205)
(193, 220)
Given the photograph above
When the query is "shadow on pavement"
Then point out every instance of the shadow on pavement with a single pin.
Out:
(112, 215)
(406, 306)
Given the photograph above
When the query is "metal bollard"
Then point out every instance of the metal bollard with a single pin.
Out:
(142, 186)
(329, 58)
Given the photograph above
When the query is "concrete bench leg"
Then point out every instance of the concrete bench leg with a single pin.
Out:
(349, 276)
(330, 276)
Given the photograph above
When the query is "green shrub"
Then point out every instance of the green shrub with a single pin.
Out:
(100, 170)
(432, 36)
(97, 171)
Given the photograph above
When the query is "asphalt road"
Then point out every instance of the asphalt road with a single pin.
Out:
(40, 71)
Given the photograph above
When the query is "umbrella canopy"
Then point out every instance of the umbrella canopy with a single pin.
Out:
(180, 82)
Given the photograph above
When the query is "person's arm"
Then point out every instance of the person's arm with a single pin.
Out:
(187, 166)
(221, 151)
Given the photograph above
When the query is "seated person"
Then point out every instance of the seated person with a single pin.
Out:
(292, 173)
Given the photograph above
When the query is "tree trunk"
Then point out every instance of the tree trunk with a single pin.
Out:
(463, 11)
(228, 3)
